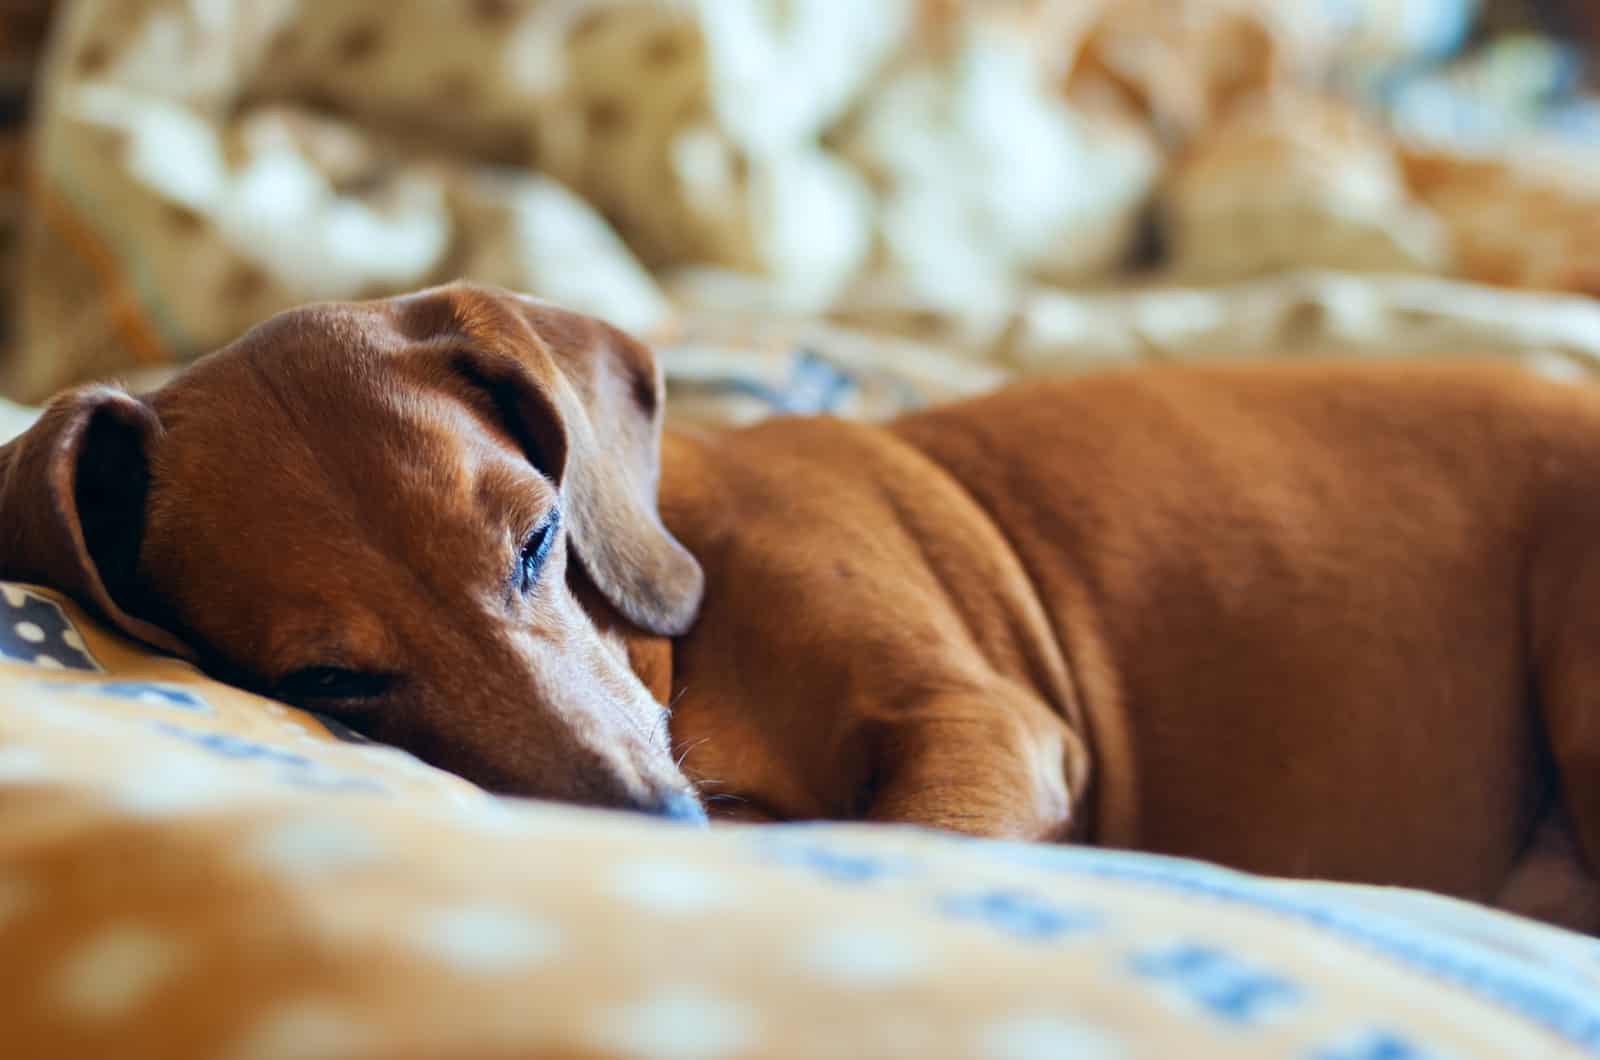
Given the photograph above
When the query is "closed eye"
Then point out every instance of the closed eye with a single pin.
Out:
(319, 683)
(535, 549)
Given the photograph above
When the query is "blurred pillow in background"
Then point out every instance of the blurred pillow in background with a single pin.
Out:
(920, 168)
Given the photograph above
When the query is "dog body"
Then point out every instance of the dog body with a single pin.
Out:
(1328, 621)
(1324, 621)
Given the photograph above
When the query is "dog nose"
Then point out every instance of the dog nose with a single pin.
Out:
(678, 806)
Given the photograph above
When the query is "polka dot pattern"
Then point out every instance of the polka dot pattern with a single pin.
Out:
(671, 887)
(486, 939)
(238, 882)
(180, 786)
(312, 848)
(116, 970)
(679, 1026)
(1047, 1038)
(34, 629)
(303, 1030)
(866, 957)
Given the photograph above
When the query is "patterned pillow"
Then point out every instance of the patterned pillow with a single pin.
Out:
(189, 871)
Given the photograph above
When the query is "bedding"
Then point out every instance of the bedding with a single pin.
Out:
(189, 871)
(930, 171)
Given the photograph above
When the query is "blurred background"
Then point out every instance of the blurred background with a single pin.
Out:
(810, 204)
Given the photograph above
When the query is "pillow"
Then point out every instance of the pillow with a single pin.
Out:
(188, 871)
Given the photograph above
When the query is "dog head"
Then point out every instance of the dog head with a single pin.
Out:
(395, 513)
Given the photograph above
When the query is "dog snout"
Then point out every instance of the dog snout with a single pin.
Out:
(676, 806)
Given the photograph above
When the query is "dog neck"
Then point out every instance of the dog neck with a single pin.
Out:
(650, 656)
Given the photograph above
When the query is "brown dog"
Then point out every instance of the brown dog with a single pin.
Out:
(1327, 621)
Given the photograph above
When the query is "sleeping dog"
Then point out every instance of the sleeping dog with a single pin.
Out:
(1318, 620)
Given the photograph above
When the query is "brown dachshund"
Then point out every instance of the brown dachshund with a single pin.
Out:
(1329, 621)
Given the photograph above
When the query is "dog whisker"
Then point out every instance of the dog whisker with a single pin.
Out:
(685, 752)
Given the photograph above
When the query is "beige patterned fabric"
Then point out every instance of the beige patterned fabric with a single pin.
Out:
(189, 871)
(930, 169)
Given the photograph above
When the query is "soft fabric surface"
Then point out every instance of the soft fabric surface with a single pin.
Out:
(189, 871)
(14, 419)
(932, 170)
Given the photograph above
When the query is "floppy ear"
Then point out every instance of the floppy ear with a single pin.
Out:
(591, 400)
(72, 504)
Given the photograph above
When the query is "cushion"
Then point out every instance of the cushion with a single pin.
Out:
(190, 871)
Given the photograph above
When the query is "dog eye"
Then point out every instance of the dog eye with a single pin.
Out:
(331, 682)
(534, 551)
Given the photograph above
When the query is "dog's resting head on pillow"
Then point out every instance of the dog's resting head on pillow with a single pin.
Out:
(422, 515)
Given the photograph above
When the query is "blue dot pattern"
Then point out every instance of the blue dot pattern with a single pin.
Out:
(1220, 983)
(814, 385)
(1020, 914)
(26, 615)
(292, 767)
(1377, 1045)
(838, 866)
(154, 693)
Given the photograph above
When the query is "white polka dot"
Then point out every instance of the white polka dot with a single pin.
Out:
(305, 1030)
(312, 847)
(14, 596)
(73, 639)
(49, 662)
(1047, 1038)
(486, 938)
(678, 1026)
(117, 971)
(494, 817)
(175, 784)
(867, 957)
(1557, 368)
(30, 632)
(60, 714)
(669, 887)
(21, 764)
(497, 816)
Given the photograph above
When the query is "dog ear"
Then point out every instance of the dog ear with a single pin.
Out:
(590, 402)
(630, 555)
(72, 504)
